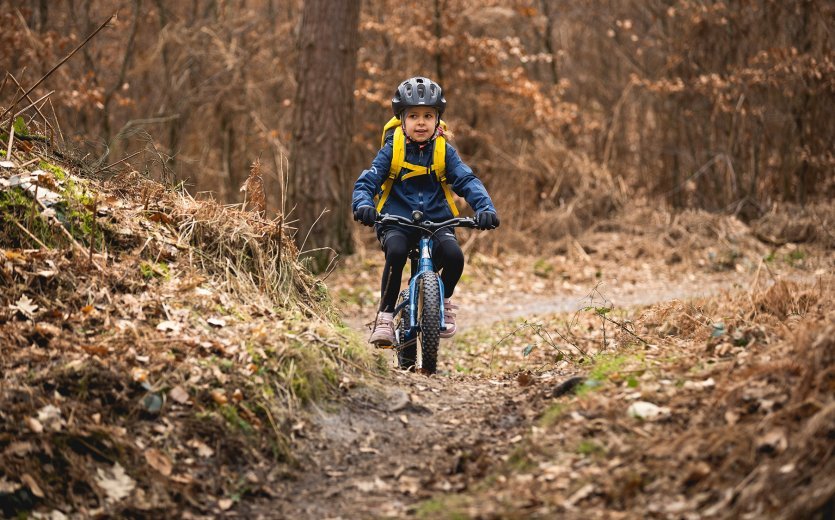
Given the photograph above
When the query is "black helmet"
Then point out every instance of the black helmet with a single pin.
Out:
(416, 92)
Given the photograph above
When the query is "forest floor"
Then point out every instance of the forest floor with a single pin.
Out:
(628, 377)
(167, 357)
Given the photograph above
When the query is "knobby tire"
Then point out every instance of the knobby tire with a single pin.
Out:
(429, 316)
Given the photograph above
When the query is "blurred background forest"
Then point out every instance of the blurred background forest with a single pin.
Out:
(571, 111)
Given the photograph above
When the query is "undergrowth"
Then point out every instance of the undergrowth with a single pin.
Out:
(188, 324)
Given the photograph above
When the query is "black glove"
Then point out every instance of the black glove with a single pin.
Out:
(365, 214)
(486, 220)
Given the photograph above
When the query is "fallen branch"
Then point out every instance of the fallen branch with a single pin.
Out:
(601, 313)
(33, 237)
(117, 162)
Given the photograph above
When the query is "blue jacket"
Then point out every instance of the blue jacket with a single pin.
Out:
(422, 192)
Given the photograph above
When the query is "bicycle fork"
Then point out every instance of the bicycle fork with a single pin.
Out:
(423, 266)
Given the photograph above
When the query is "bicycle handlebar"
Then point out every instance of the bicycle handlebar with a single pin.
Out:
(428, 225)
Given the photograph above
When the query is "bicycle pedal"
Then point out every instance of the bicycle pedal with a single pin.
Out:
(384, 346)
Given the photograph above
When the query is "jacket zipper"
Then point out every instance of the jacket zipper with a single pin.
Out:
(420, 192)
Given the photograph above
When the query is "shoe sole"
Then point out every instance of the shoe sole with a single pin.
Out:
(381, 343)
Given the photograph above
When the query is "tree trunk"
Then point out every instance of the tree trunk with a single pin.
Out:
(439, 69)
(322, 129)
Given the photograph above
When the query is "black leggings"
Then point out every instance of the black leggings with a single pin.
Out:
(446, 255)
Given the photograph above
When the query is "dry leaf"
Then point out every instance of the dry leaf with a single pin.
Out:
(376, 485)
(115, 482)
(50, 417)
(182, 479)
(15, 257)
(31, 484)
(696, 472)
(159, 461)
(224, 504)
(47, 330)
(700, 385)
(19, 448)
(254, 188)
(8, 488)
(167, 326)
(178, 394)
(202, 449)
(25, 306)
(580, 494)
(139, 375)
(409, 485)
(98, 350)
(524, 379)
(647, 410)
(216, 322)
(34, 425)
(773, 442)
(219, 396)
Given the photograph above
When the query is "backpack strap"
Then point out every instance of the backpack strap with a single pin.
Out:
(398, 162)
(398, 154)
(439, 165)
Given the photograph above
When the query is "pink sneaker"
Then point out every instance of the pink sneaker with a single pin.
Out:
(449, 318)
(383, 334)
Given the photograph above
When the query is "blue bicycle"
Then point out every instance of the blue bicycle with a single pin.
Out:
(419, 313)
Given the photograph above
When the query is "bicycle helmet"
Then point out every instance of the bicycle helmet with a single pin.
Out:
(418, 91)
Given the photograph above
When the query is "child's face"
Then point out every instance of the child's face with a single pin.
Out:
(420, 123)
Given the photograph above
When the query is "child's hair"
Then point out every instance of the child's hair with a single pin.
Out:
(447, 133)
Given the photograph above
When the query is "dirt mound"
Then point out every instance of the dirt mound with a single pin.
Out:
(797, 224)
(155, 349)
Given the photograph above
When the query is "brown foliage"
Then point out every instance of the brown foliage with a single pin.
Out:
(566, 111)
(254, 188)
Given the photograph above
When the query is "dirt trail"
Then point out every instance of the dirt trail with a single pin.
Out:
(481, 308)
(408, 444)
(401, 441)
(393, 446)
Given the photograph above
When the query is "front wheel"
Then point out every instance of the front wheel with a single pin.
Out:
(429, 319)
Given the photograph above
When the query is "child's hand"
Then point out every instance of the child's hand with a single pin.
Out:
(365, 214)
(486, 220)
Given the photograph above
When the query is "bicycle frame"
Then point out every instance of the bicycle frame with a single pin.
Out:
(425, 267)
(422, 266)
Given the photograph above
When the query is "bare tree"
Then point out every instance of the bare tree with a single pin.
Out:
(322, 124)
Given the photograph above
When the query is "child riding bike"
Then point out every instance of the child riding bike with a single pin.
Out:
(417, 170)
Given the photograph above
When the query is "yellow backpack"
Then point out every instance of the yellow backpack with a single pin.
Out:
(398, 162)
